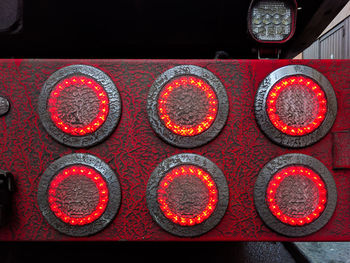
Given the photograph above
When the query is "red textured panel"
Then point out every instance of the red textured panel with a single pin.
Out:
(134, 150)
(341, 150)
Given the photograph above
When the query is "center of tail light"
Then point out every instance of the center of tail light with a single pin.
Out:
(296, 105)
(78, 105)
(187, 105)
(296, 195)
(78, 195)
(187, 195)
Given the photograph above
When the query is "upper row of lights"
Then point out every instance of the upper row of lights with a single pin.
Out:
(272, 21)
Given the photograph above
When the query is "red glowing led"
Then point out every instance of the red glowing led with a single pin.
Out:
(101, 108)
(180, 173)
(319, 198)
(318, 105)
(55, 202)
(204, 104)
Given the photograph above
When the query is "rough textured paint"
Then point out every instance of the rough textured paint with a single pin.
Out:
(133, 150)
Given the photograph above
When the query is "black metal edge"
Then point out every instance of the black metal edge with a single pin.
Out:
(273, 133)
(160, 172)
(114, 106)
(262, 183)
(113, 200)
(190, 141)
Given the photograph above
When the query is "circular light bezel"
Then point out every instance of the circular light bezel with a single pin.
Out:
(152, 194)
(290, 171)
(100, 94)
(110, 178)
(260, 193)
(187, 141)
(285, 83)
(103, 130)
(95, 177)
(262, 117)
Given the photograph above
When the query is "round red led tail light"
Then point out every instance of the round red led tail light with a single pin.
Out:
(79, 194)
(295, 195)
(79, 105)
(187, 106)
(295, 106)
(84, 206)
(187, 182)
(187, 195)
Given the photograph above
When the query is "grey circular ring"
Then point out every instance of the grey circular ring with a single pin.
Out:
(4, 105)
(270, 130)
(113, 188)
(162, 169)
(114, 106)
(264, 178)
(187, 141)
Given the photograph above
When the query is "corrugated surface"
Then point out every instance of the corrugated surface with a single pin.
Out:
(312, 52)
(347, 38)
(333, 45)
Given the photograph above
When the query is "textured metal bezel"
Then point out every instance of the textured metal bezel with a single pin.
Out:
(270, 130)
(187, 141)
(4, 106)
(114, 106)
(112, 183)
(158, 174)
(264, 178)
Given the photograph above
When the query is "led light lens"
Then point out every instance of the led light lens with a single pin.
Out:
(78, 105)
(78, 195)
(187, 105)
(187, 195)
(296, 195)
(296, 105)
(271, 20)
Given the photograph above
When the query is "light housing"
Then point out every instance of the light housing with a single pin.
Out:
(272, 21)
(187, 195)
(295, 106)
(187, 105)
(295, 195)
(79, 194)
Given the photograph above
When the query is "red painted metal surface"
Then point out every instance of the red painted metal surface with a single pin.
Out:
(134, 150)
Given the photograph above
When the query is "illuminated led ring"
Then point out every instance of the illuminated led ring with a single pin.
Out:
(110, 121)
(155, 207)
(276, 134)
(108, 176)
(198, 139)
(262, 184)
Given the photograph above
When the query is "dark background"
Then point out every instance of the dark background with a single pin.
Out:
(194, 29)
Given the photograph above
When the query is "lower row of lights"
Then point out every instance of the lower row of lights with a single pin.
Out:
(187, 194)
